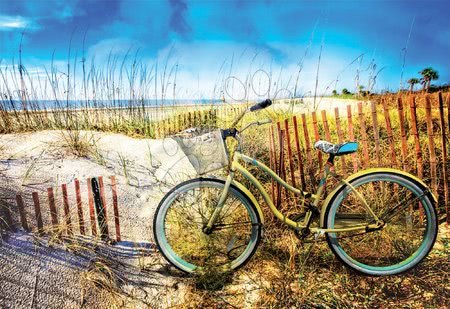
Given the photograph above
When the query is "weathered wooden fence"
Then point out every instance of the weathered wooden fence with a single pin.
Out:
(62, 222)
(213, 117)
(409, 132)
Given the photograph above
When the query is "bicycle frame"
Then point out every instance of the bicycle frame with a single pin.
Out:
(237, 167)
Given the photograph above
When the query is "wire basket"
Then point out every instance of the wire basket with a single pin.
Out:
(206, 152)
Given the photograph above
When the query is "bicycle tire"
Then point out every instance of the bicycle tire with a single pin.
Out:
(160, 230)
(353, 258)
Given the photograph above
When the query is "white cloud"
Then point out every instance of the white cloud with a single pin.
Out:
(116, 47)
(11, 23)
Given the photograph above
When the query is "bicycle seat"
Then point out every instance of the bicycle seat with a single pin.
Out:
(336, 149)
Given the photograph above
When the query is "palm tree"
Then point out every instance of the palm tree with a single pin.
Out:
(412, 82)
(428, 74)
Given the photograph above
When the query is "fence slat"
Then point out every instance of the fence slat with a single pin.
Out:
(273, 161)
(362, 127)
(340, 138)
(67, 220)
(308, 149)
(376, 132)
(51, 204)
(444, 155)
(281, 164)
(401, 116)
(299, 154)
(448, 112)
(288, 142)
(431, 148)
(91, 207)
(115, 207)
(316, 136)
(415, 133)
(326, 128)
(23, 216)
(103, 197)
(37, 211)
(79, 207)
(387, 118)
(351, 135)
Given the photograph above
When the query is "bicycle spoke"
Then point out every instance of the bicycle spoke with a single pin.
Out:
(395, 245)
(189, 213)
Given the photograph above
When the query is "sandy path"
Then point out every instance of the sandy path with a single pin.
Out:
(144, 169)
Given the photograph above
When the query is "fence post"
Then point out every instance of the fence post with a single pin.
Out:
(351, 136)
(273, 160)
(66, 210)
(53, 213)
(99, 207)
(299, 154)
(376, 132)
(389, 133)
(91, 207)
(288, 142)
(185, 121)
(37, 211)
(308, 149)
(102, 195)
(325, 125)
(23, 216)
(448, 112)
(79, 207)
(191, 120)
(431, 148)
(401, 116)
(418, 151)
(444, 155)
(340, 138)
(362, 126)
(317, 136)
(115, 207)
(281, 172)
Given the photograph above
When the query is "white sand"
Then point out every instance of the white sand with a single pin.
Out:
(33, 162)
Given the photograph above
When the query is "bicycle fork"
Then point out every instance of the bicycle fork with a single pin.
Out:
(223, 197)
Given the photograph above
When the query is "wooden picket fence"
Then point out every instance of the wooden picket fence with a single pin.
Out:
(61, 220)
(197, 118)
(409, 133)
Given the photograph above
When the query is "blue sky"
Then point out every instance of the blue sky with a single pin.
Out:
(203, 37)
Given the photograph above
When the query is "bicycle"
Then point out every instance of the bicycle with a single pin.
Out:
(378, 221)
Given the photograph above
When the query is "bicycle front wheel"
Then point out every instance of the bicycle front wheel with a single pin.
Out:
(404, 240)
(185, 211)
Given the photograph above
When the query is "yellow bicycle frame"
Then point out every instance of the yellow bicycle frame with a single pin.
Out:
(237, 167)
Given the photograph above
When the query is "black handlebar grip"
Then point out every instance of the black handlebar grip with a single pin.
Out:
(261, 105)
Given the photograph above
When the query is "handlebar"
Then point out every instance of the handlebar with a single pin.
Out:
(261, 105)
(257, 106)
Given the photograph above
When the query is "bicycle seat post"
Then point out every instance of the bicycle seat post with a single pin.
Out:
(330, 160)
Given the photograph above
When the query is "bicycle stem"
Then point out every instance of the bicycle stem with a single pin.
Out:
(239, 117)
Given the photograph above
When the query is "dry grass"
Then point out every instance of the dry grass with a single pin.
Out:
(104, 282)
(77, 143)
(282, 274)
(276, 279)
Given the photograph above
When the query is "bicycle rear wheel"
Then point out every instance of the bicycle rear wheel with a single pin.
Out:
(406, 238)
(184, 212)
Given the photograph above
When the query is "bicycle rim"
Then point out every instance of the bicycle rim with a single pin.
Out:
(402, 243)
(183, 213)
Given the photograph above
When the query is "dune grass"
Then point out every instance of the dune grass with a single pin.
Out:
(283, 273)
